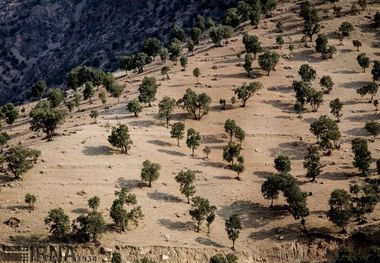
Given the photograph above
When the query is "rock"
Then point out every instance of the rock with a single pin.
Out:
(165, 257)
(167, 237)
(13, 222)
(214, 67)
(81, 193)
(280, 237)
(106, 250)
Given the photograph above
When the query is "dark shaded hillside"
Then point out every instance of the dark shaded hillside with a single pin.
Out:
(43, 39)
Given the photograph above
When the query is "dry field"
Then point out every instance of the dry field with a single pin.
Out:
(82, 160)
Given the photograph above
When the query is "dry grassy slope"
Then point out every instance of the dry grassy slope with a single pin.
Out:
(82, 159)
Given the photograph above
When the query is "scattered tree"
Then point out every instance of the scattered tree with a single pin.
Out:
(94, 203)
(116, 91)
(165, 71)
(238, 167)
(186, 181)
(59, 223)
(39, 88)
(248, 64)
(268, 61)
(312, 163)
(152, 47)
(88, 91)
(4, 138)
(148, 90)
(373, 128)
(362, 156)
(327, 132)
(371, 89)
(327, 84)
(46, 118)
(20, 160)
(94, 115)
(207, 151)
(345, 28)
(177, 131)
(336, 108)
(376, 70)
(307, 73)
(233, 227)
(233, 17)
(193, 140)
(219, 258)
(230, 152)
(10, 113)
(363, 61)
(166, 107)
(252, 45)
(280, 41)
(197, 73)
(357, 44)
(201, 209)
(134, 106)
(195, 104)
(30, 199)
(282, 164)
(217, 34)
(183, 61)
(120, 138)
(340, 210)
(246, 91)
(150, 172)
(55, 96)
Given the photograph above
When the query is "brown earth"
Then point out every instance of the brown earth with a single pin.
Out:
(82, 159)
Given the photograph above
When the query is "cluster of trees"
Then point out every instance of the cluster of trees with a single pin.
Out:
(19, 160)
(287, 184)
(232, 149)
(305, 93)
(344, 206)
(87, 227)
(348, 254)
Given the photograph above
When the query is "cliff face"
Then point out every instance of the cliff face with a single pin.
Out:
(44, 39)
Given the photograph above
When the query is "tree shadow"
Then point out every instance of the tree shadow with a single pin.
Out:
(354, 84)
(282, 89)
(224, 177)
(262, 174)
(251, 214)
(79, 211)
(18, 207)
(25, 240)
(335, 176)
(288, 233)
(159, 196)
(159, 143)
(357, 132)
(208, 242)
(142, 123)
(240, 75)
(207, 139)
(174, 153)
(177, 225)
(97, 150)
(180, 115)
(280, 105)
(363, 118)
(212, 164)
(129, 183)
(295, 150)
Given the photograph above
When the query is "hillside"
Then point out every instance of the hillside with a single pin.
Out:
(45, 39)
(80, 162)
